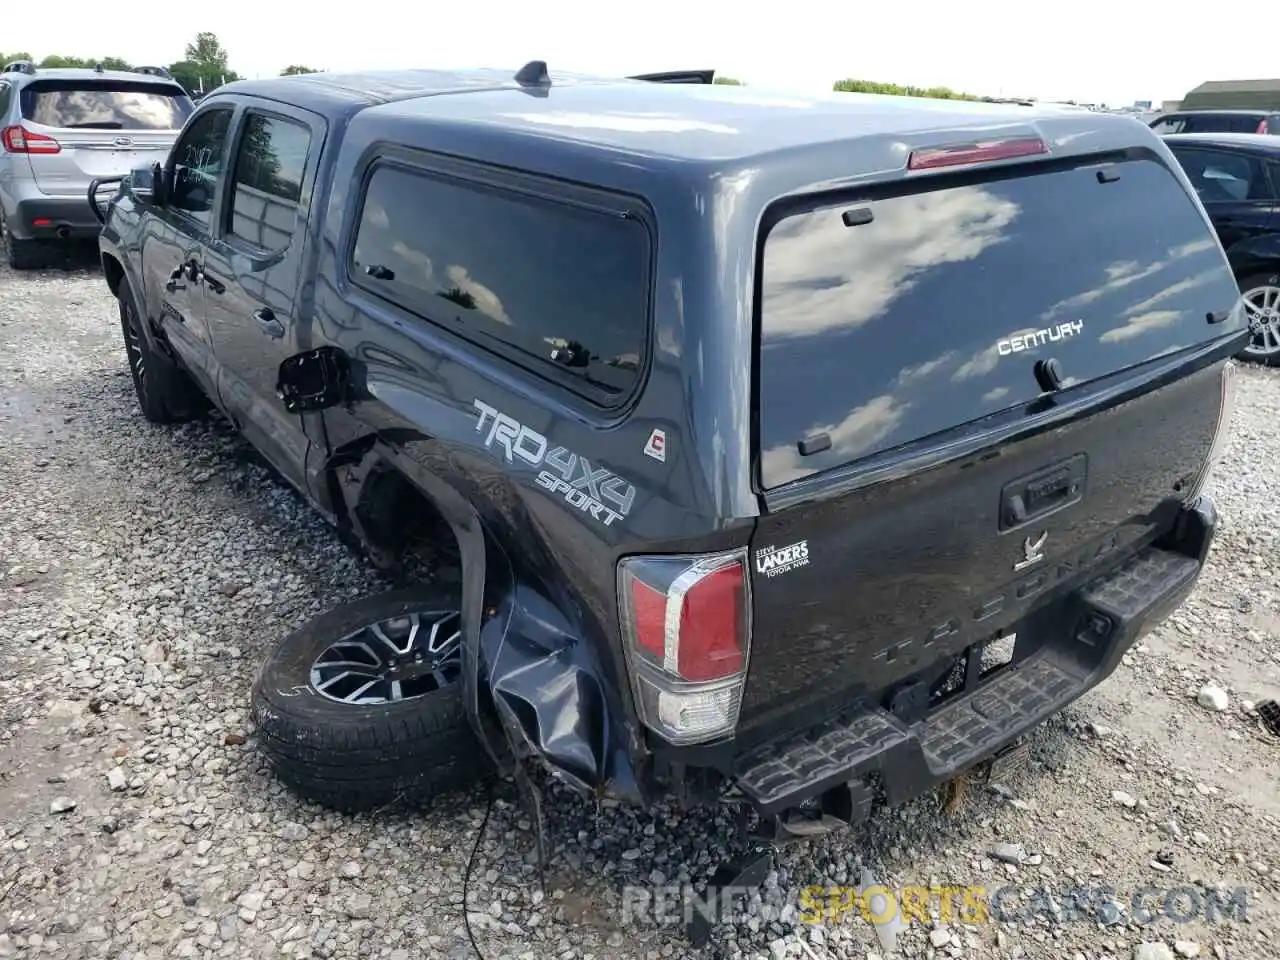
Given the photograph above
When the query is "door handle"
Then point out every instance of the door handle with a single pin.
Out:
(212, 282)
(268, 323)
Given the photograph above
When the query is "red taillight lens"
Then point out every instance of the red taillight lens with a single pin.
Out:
(21, 140)
(711, 626)
(687, 624)
(687, 617)
(649, 612)
(959, 154)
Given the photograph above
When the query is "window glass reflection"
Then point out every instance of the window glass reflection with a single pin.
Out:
(270, 162)
(562, 289)
(933, 314)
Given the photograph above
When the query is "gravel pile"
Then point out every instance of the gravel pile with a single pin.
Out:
(144, 570)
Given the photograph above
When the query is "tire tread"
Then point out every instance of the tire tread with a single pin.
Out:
(362, 758)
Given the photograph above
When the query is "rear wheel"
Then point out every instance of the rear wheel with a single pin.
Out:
(18, 254)
(165, 393)
(362, 706)
(1261, 294)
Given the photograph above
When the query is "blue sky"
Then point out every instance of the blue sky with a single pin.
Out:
(1092, 50)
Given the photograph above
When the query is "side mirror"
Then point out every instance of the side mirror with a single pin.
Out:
(147, 184)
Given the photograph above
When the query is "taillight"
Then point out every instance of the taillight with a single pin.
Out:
(21, 140)
(984, 151)
(686, 621)
(1220, 430)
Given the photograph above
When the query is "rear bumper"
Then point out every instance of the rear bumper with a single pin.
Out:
(846, 764)
(51, 218)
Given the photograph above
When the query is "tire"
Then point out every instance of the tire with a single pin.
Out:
(20, 254)
(356, 757)
(1263, 288)
(165, 393)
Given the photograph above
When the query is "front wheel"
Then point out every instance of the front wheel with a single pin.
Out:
(362, 706)
(1261, 295)
(165, 393)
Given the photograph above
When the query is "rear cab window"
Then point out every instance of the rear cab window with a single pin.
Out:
(556, 288)
(105, 104)
(931, 313)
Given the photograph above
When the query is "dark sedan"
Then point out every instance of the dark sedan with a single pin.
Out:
(1217, 121)
(1238, 179)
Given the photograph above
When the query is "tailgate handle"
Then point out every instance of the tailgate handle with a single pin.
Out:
(1045, 491)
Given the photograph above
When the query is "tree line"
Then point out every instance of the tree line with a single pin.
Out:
(897, 90)
(203, 67)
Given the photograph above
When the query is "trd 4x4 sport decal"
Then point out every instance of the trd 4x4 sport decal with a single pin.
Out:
(593, 490)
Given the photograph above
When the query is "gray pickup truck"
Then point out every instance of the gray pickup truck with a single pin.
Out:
(804, 453)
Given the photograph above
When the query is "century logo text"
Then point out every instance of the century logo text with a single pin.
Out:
(1038, 338)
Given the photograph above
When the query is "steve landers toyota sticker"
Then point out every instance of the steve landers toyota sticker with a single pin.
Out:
(772, 561)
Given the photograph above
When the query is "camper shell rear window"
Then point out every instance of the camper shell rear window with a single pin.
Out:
(889, 319)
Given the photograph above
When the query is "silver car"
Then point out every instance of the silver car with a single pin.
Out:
(60, 129)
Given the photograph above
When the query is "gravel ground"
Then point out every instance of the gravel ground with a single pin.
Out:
(144, 570)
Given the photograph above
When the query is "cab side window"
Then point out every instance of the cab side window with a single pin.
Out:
(198, 160)
(271, 161)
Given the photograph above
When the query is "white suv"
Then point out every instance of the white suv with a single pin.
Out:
(60, 129)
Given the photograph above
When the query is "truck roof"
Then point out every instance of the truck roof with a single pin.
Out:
(677, 121)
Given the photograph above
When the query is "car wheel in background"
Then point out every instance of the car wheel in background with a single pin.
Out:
(1261, 293)
(19, 254)
(362, 706)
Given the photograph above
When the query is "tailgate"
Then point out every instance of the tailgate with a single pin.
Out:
(897, 331)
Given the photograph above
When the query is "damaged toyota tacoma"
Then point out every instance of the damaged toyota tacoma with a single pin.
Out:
(796, 453)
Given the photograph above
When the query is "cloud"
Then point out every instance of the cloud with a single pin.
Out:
(487, 302)
(375, 214)
(415, 258)
(999, 393)
(853, 436)
(1173, 290)
(1124, 272)
(922, 371)
(1144, 323)
(820, 275)
(984, 361)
